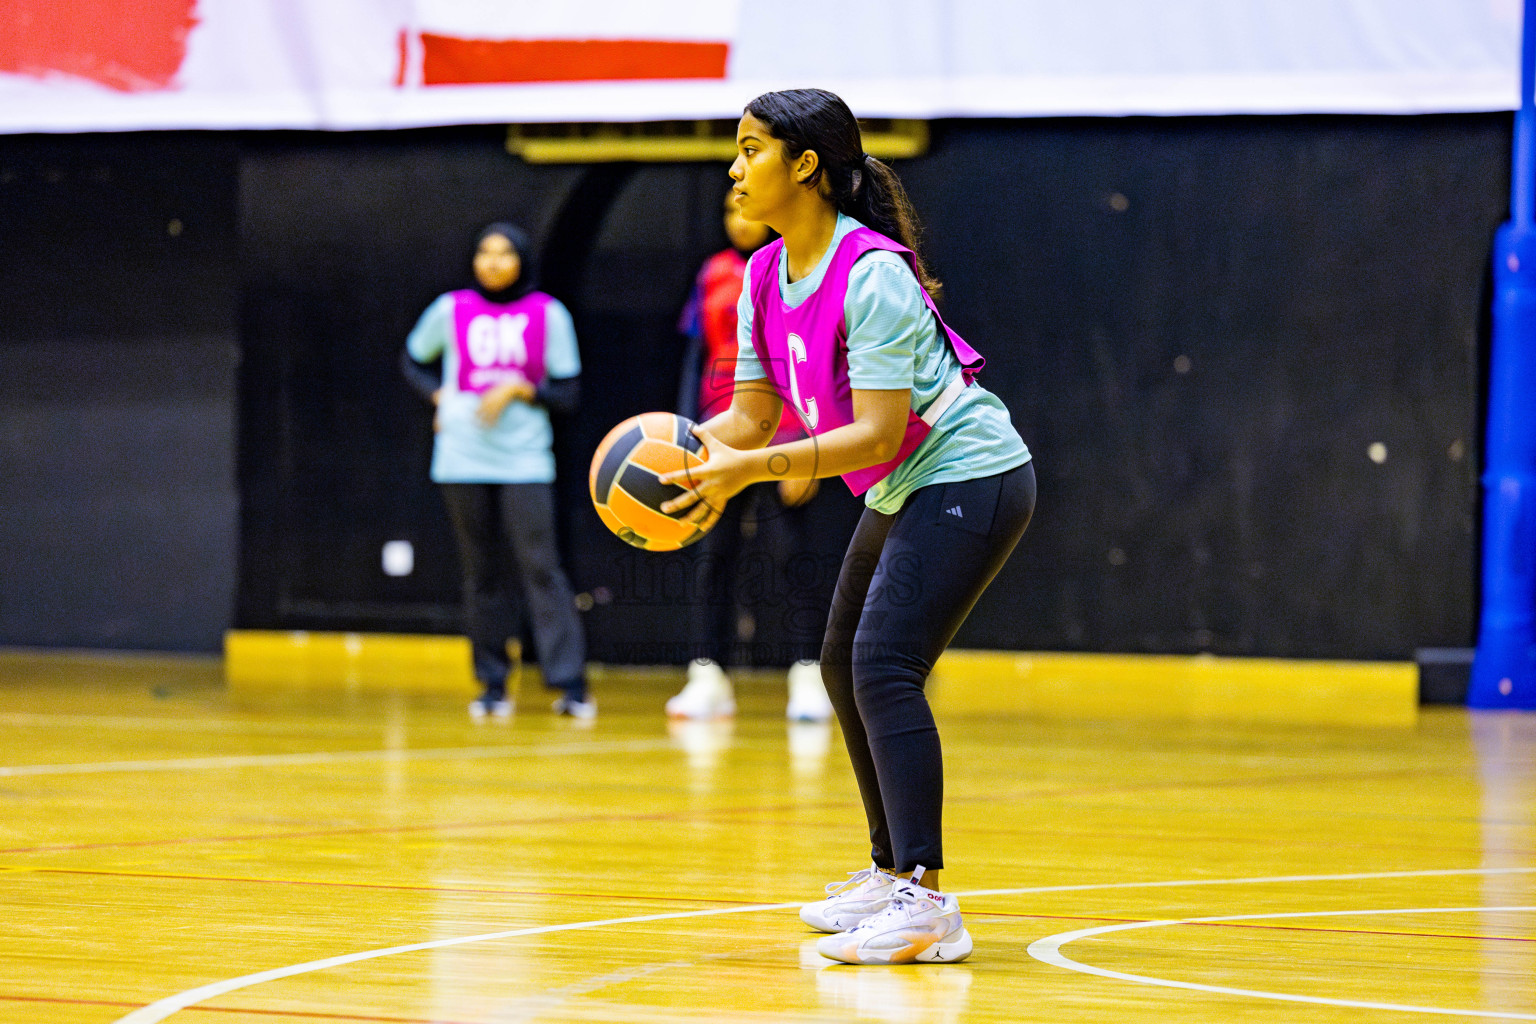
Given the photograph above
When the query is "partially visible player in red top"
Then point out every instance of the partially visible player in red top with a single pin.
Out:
(709, 322)
(708, 382)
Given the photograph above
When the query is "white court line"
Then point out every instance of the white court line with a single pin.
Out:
(163, 1008)
(1048, 950)
(158, 1011)
(81, 721)
(187, 764)
(1259, 881)
(253, 726)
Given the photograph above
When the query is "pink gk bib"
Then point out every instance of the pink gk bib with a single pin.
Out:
(498, 342)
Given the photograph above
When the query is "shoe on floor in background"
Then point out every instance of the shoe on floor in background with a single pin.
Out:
(707, 694)
(808, 701)
(490, 707)
(586, 710)
(917, 926)
(862, 895)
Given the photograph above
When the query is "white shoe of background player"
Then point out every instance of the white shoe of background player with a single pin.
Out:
(707, 694)
(808, 701)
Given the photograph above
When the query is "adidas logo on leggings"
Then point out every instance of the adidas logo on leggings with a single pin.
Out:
(955, 511)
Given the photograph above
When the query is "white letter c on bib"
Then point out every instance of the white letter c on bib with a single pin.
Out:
(808, 406)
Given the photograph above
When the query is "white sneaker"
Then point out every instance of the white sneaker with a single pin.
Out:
(708, 693)
(917, 925)
(484, 707)
(863, 895)
(586, 710)
(808, 701)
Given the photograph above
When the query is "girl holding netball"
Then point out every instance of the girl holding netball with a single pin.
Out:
(836, 320)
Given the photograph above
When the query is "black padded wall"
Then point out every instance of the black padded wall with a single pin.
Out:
(1244, 350)
(1211, 330)
(118, 349)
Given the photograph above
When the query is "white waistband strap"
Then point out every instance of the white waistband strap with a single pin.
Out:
(946, 399)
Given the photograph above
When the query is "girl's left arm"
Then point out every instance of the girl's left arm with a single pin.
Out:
(874, 436)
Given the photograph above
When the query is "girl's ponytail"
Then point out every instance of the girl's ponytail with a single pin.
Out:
(877, 198)
(857, 184)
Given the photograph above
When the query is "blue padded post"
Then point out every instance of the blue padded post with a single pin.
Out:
(1504, 670)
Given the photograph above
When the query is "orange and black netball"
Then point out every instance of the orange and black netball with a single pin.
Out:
(626, 487)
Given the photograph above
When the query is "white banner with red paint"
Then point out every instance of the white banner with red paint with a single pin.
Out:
(91, 65)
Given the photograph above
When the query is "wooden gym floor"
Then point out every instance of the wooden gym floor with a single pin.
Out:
(172, 849)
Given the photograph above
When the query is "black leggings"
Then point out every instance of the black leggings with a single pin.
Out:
(506, 533)
(907, 583)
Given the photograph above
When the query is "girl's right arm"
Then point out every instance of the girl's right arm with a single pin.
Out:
(424, 379)
(752, 418)
(425, 345)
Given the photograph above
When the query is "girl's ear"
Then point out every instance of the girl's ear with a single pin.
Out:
(805, 167)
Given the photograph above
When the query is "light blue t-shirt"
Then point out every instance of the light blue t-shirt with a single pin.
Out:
(516, 450)
(895, 342)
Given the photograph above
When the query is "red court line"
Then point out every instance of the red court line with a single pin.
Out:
(1189, 784)
(199, 1008)
(1258, 927)
(1054, 917)
(674, 815)
(1359, 931)
(1150, 835)
(317, 1015)
(1239, 783)
(356, 831)
(675, 899)
(65, 1002)
(1184, 837)
(451, 60)
(374, 885)
(404, 829)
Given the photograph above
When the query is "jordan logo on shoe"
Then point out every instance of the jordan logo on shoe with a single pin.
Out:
(955, 511)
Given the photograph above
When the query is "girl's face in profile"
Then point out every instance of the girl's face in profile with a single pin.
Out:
(497, 264)
(765, 184)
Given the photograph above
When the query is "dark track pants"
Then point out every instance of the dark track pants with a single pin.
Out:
(505, 533)
(791, 592)
(907, 583)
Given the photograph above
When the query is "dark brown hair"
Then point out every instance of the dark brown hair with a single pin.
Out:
(858, 184)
